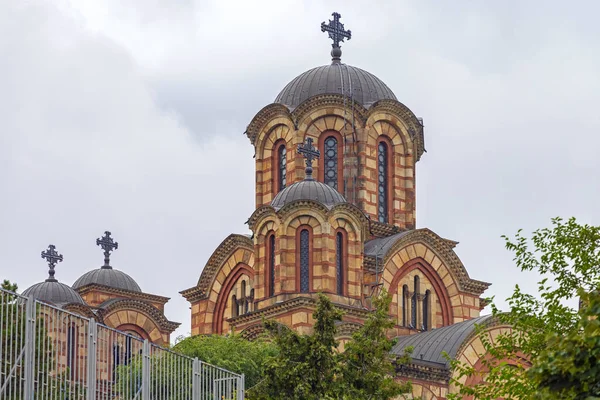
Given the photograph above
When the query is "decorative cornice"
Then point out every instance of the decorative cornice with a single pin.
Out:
(216, 260)
(122, 292)
(291, 304)
(346, 329)
(253, 331)
(415, 126)
(424, 371)
(154, 313)
(294, 205)
(380, 229)
(442, 249)
(261, 118)
(81, 309)
(328, 100)
(258, 214)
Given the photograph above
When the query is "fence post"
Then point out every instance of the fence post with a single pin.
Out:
(28, 372)
(92, 342)
(196, 368)
(241, 387)
(146, 370)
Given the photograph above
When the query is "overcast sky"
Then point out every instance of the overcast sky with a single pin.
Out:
(130, 118)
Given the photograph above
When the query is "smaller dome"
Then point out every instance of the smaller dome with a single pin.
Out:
(52, 291)
(308, 189)
(108, 277)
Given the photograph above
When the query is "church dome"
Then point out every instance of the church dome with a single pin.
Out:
(308, 189)
(51, 290)
(336, 78)
(108, 277)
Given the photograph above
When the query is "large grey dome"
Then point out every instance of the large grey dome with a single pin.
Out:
(336, 78)
(107, 277)
(52, 291)
(308, 189)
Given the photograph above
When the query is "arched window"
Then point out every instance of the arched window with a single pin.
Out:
(304, 261)
(426, 308)
(340, 262)
(280, 165)
(405, 305)
(382, 181)
(330, 164)
(235, 309)
(271, 265)
(414, 304)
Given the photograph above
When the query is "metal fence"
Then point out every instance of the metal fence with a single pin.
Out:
(50, 353)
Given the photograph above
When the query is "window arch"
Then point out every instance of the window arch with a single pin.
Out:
(341, 261)
(279, 166)
(331, 145)
(304, 259)
(383, 180)
(270, 265)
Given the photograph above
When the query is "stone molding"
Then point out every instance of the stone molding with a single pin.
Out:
(214, 263)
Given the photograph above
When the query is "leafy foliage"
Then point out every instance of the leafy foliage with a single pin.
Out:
(230, 352)
(557, 340)
(309, 367)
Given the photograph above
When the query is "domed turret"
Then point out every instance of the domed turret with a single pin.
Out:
(336, 78)
(106, 275)
(51, 290)
(308, 189)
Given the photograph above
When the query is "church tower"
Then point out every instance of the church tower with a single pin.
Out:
(336, 155)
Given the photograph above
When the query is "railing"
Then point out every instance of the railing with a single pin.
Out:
(50, 353)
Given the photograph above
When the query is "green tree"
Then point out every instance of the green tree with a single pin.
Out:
(368, 368)
(309, 367)
(545, 329)
(232, 352)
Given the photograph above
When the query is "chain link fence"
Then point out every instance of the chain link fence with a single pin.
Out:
(50, 353)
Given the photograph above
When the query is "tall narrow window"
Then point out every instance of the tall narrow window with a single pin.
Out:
(382, 182)
(304, 261)
(235, 308)
(339, 262)
(426, 301)
(414, 304)
(330, 162)
(271, 256)
(404, 305)
(281, 167)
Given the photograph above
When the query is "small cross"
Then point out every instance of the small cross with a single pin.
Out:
(107, 244)
(336, 30)
(52, 256)
(310, 153)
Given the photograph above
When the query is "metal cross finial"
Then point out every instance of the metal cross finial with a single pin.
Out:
(107, 244)
(52, 256)
(337, 33)
(310, 153)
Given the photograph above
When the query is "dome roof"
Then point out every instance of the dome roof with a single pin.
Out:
(52, 291)
(336, 78)
(308, 189)
(108, 276)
